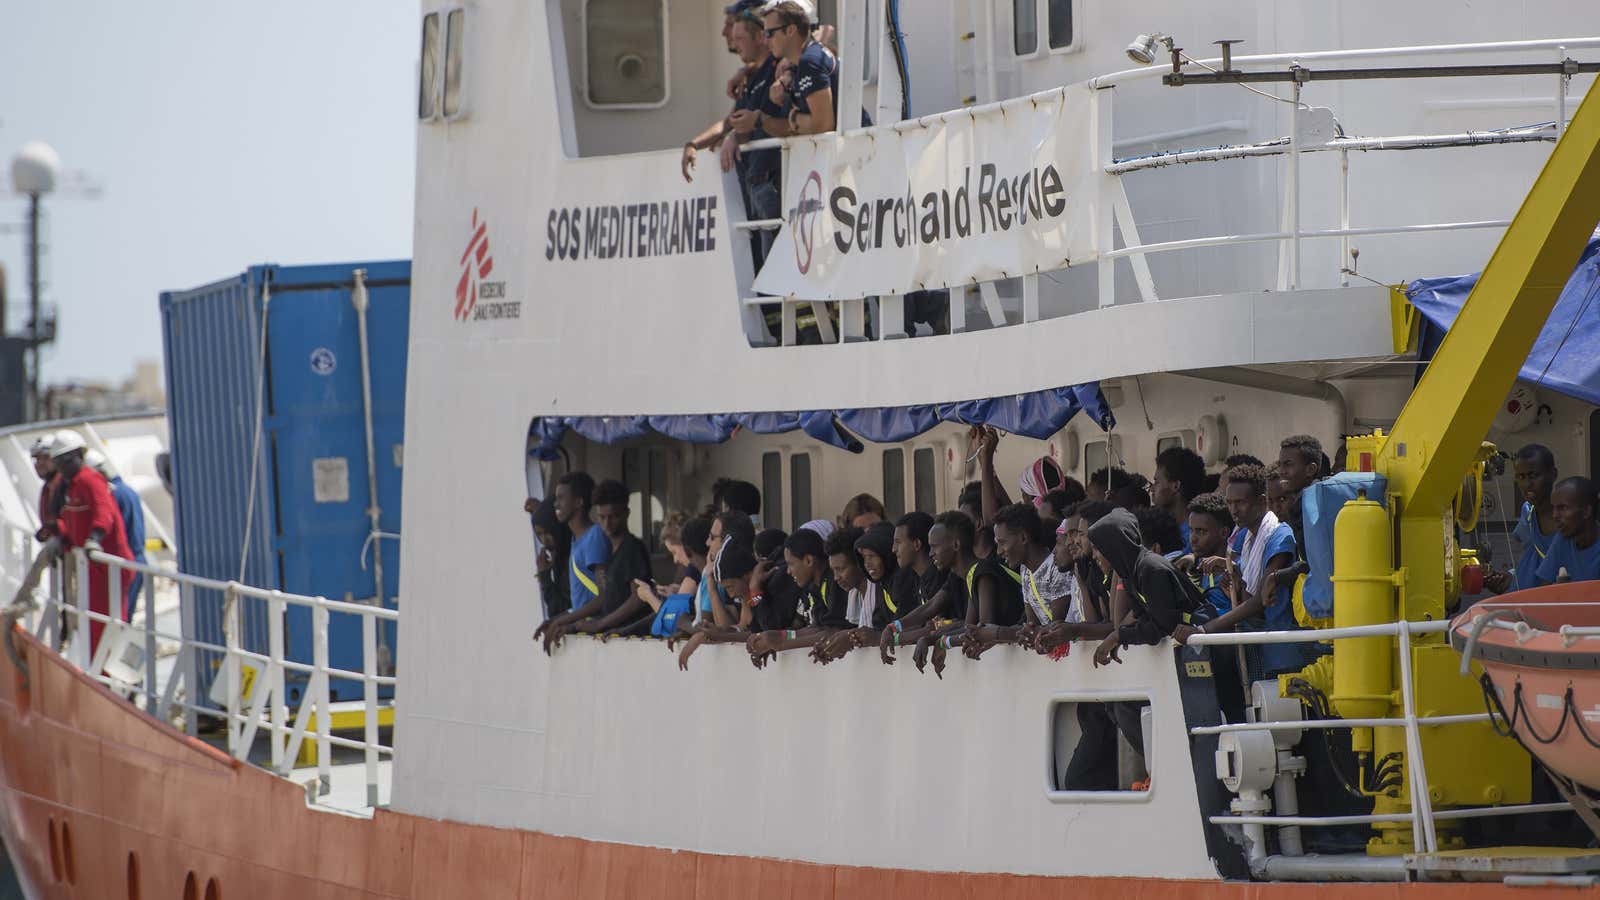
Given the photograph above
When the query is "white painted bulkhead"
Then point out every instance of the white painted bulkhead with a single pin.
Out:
(857, 763)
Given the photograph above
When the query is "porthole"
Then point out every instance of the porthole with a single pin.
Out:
(133, 876)
(68, 867)
(55, 852)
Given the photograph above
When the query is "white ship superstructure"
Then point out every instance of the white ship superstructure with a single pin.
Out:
(1196, 246)
(1230, 288)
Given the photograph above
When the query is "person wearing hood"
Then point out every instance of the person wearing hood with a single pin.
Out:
(876, 605)
(1160, 598)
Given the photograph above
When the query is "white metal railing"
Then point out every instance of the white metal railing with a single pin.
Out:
(1421, 815)
(63, 599)
(1289, 238)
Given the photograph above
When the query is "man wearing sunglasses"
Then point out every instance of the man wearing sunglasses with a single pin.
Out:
(806, 71)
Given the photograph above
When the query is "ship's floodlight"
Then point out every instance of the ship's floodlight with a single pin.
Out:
(1143, 48)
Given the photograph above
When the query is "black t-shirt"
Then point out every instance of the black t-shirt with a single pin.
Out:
(691, 573)
(779, 601)
(836, 606)
(899, 597)
(629, 561)
(760, 165)
(1008, 603)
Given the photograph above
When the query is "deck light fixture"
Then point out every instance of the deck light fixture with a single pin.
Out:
(1143, 48)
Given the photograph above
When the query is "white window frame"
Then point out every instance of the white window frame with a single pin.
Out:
(444, 59)
(666, 63)
(789, 453)
(1113, 797)
(438, 85)
(443, 13)
(1042, 29)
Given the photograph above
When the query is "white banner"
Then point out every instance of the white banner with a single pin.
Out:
(962, 200)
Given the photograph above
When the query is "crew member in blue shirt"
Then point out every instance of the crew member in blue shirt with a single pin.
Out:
(1574, 555)
(591, 551)
(1536, 475)
(131, 509)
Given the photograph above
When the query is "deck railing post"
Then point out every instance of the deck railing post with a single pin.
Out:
(151, 694)
(1423, 839)
(80, 623)
(369, 702)
(274, 675)
(230, 666)
(324, 717)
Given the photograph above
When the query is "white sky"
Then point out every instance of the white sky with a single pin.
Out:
(224, 134)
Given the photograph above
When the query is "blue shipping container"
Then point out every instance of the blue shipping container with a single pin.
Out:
(304, 528)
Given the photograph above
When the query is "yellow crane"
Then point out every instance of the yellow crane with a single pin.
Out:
(1403, 562)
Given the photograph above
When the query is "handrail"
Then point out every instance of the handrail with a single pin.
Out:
(266, 705)
(1288, 240)
(1421, 815)
(244, 590)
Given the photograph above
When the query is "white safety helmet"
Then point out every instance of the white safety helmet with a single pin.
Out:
(66, 441)
(97, 461)
(42, 445)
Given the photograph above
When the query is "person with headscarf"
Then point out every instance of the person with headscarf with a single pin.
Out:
(1042, 476)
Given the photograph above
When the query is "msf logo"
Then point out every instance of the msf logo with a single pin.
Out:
(476, 264)
(803, 221)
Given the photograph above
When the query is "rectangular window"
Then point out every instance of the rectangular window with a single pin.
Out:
(454, 46)
(1093, 755)
(924, 485)
(1167, 443)
(1024, 26)
(772, 489)
(799, 490)
(644, 471)
(625, 53)
(1060, 24)
(428, 80)
(894, 482)
(1094, 458)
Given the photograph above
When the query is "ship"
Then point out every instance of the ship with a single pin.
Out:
(1065, 221)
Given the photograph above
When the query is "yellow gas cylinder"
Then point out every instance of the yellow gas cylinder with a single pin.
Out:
(1363, 594)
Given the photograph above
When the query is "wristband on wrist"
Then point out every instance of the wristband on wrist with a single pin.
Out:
(788, 635)
(897, 638)
(897, 626)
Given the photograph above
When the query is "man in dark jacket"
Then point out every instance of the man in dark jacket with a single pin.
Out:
(1159, 599)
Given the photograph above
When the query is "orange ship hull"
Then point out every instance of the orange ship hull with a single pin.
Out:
(101, 801)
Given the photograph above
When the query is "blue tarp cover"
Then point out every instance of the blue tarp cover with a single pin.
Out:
(1565, 358)
(1039, 415)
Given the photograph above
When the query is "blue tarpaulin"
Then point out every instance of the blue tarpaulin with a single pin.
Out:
(1566, 356)
(1039, 415)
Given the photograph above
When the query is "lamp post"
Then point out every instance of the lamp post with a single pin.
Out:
(34, 171)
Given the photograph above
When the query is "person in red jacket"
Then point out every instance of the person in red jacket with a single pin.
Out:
(89, 519)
